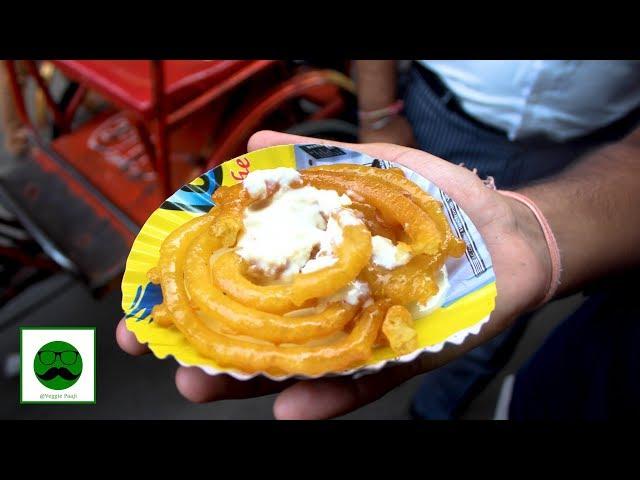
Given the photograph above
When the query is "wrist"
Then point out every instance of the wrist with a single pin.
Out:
(540, 272)
(389, 124)
(379, 118)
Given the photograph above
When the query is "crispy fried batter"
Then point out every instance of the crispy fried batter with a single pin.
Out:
(399, 330)
(210, 296)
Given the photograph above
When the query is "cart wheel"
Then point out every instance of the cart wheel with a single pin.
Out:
(329, 129)
(67, 95)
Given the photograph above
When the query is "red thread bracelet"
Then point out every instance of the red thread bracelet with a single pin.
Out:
(552, 244)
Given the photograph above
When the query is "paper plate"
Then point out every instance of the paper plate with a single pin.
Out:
(466, 306)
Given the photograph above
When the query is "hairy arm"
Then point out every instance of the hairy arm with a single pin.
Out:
(592, 208)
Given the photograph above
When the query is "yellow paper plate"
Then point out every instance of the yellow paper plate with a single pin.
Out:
(467, 303)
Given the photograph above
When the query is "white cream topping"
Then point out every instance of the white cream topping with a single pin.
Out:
(347, 217)
(258, 181)
(318, 263)
(280, 238)
(387, 255)
(420, 310)
(352, 293)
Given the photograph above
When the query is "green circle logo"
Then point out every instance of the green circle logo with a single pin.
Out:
(57, 365)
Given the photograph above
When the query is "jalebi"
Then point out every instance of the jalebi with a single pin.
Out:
(318, 321)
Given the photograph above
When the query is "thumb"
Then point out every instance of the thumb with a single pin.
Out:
(269, 138)
(329, 397)
(458, 182)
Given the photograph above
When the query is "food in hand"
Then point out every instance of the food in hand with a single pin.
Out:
(305, 272)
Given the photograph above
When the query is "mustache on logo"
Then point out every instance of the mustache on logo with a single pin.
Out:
(57, 372)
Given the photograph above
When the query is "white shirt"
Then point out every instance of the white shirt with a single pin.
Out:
(558, 99)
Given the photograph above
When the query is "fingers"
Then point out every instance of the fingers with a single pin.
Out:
(199, 387)
(128, 342)
(412, 158)
(330, 397)
(460, 183)
(269, 138)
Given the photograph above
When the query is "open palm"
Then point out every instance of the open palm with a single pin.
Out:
(520, 262)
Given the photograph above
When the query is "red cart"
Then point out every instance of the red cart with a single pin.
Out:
(86, 188)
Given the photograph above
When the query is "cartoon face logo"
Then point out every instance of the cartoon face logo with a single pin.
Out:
(57, 365)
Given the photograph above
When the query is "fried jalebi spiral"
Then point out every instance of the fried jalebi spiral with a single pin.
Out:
(162, 315)
(374, 221)
(154, 275)
(399, 330)
(392, 203)
(413, 282)
(452, 244)
(228, 271)
(352, 256)
(224, 194)
(246, 355)
(304, 273)
(214, 304)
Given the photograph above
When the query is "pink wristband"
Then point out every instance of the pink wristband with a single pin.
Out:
(552, 244)
(394, 109)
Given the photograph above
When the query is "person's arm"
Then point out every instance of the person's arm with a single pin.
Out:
(592, 208)
(376, 82)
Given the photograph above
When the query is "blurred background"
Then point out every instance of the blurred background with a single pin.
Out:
(90, 148)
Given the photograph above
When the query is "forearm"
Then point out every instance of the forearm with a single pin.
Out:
(376, 83)
(592, 209)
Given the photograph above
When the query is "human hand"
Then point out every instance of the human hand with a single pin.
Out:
(398, 131)
(520, 261)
